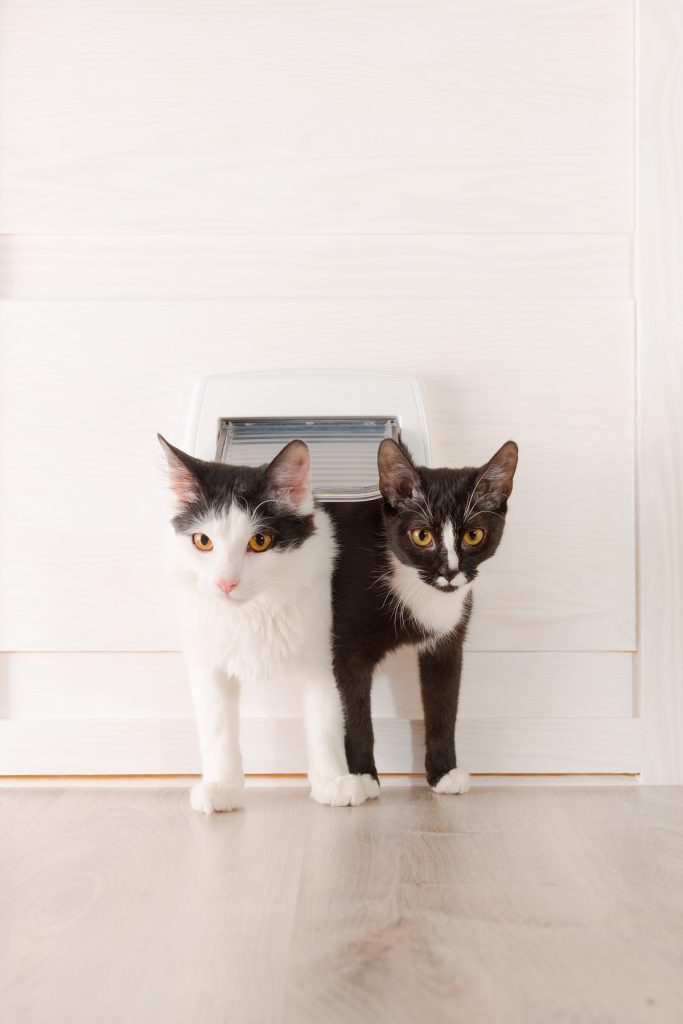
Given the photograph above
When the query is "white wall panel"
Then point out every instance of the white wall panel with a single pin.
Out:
(443, 189)
(316, 117)
(307, 266)
(131, 685)
(660, 378)
(85, 386)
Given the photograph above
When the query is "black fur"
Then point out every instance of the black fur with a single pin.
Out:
(366, 624)
(252, 487)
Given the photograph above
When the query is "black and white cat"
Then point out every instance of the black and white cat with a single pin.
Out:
(253, 557)
(404, 576)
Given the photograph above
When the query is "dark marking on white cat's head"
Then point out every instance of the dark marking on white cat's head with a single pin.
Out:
(277, 495)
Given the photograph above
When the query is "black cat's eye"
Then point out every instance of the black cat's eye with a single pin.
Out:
(202, 542)
(472, 538)
(422, 537)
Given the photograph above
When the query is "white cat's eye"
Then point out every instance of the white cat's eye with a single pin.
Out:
(421, 537)
(202, 542)
(260, 542)
(473, 537)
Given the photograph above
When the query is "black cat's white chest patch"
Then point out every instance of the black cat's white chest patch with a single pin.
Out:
(437, 612)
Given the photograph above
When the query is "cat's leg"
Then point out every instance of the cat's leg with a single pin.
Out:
(355, 687)
(440, 669)
(215, 695)
(331, 781)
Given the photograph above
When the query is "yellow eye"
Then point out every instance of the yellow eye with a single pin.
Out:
(202, 542)
(474, 537)
(260, 542)
(422, 538)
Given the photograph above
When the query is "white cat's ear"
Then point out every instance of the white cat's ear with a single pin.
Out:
(399, 480)
(289, 474)
(182, 479)
(495, 478)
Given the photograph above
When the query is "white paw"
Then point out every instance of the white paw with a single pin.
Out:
(208, 797)
(345, 790)
(454, 781)
(371, 787)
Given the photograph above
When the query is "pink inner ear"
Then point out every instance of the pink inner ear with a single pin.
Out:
(398, 478)
(496, 480)
(292, 487)
(403, 482)
(290, 479)
(183, 484)
(296, 494)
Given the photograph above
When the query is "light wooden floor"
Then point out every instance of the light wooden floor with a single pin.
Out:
(529, 905)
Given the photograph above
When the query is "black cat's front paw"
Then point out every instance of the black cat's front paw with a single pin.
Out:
(454, 781)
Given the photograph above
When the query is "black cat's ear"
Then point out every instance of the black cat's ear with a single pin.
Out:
(399, 480)
(289, 474)
(182, 473)
(495, 478)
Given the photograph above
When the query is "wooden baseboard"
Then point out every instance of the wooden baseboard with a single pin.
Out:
(391, 781)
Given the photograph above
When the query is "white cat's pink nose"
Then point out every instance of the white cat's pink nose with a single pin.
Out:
(227, 585)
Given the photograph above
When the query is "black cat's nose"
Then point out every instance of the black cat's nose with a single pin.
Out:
(450, 574)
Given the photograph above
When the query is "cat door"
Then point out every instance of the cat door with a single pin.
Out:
(246, 418)
(343, 450)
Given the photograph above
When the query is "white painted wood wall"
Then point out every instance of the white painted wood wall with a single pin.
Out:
(442, 189)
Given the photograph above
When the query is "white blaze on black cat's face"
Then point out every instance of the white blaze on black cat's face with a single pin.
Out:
(443, 523)
(239, 528)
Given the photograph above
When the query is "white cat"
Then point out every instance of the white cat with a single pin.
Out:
(253, 557)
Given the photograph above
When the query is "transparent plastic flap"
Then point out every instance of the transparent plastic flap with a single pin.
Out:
(343, 450)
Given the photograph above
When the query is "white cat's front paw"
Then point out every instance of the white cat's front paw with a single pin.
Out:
(345, 790)
(208, 797)
(454, 781)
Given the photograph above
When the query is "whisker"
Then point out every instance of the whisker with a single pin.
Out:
(471, 507)
(484, 512)
(421, 506)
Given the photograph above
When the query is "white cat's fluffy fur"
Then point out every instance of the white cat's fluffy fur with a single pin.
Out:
(275, 623)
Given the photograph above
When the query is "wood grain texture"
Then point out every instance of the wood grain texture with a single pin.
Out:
(316, 118)
(154, 685)
(521, 905)
(660, 316)
(499, 910)
(84, 387)
(300, 266)
(209, 883)
(146, 746)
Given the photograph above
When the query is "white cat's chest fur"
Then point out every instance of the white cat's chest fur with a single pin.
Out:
(438, 613)
(258, 640)
(286, 627)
